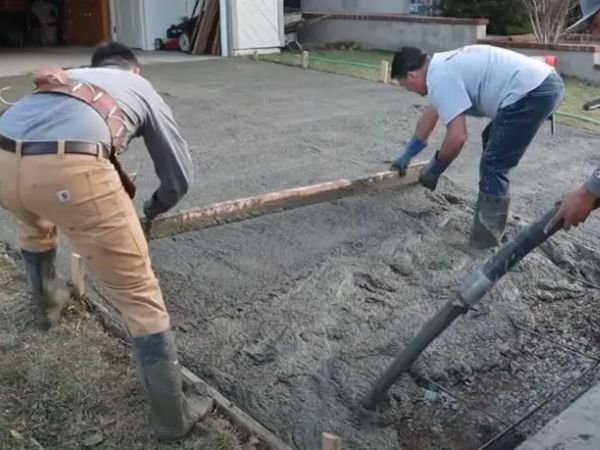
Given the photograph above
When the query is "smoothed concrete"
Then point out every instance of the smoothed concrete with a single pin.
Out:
(576, 428)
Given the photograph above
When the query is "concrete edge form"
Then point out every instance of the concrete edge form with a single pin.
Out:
(576, 428)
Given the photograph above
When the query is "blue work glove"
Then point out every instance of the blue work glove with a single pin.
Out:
(432, 171)
(412, 149)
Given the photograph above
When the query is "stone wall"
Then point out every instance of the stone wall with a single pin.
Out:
(391, 31)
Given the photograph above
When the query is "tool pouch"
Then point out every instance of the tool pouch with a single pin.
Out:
(56, 80)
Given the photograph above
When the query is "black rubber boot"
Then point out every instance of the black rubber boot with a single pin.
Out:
(173, 415)
(489, 224)
(49, 294)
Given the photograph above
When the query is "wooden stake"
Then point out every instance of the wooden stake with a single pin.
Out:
(384, 76)
(250, 207)
(77, 275)
(235, 414)
(305, 58)
(330, 442)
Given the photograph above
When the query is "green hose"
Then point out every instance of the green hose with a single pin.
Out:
(341, 61)
(578, 117)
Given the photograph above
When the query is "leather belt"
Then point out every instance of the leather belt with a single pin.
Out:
(29, 148)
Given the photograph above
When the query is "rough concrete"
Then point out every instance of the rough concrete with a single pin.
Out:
(294, 315)
(391, 35)
(577, 428)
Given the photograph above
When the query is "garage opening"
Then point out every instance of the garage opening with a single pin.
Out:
(53, 23)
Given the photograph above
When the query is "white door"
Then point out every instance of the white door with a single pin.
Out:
(127, 22)
(257, 24)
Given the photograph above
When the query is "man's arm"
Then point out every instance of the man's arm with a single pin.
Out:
(170, 155)
(449, 94)
(426, 124)
(577, 205)
(418, 142)
(456, 136)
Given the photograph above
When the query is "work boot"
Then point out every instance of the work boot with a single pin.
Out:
(489, 224)
(48, 292)
(173, 415)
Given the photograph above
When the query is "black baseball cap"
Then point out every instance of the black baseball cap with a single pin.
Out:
(406, 60)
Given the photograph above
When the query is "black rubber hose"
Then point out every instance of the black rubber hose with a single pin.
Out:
(412, 351)
(493, 269)
(519, 247)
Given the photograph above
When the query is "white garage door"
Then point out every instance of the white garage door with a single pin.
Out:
(257, 24)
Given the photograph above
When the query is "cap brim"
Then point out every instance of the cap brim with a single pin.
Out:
(581, 24)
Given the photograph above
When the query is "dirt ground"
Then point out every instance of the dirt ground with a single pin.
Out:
(292, 316)
(74, 387)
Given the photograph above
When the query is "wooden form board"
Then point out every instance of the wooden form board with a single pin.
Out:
(330, 442)
(206, 37)
(235, 414)
(250, 207)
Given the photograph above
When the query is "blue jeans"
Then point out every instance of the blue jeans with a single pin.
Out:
(508, 135)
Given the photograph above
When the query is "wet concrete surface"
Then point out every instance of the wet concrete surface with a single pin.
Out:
(293, 315)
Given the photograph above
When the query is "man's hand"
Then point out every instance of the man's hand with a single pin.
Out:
(575, 208)
(150, 209)
(432, 171)
(50, 75)
(412, 149)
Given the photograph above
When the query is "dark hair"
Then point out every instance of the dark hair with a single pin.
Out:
(114, 54)
(406, 60)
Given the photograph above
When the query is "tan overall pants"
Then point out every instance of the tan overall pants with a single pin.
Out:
(82, 197)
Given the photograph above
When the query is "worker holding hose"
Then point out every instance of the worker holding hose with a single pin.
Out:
(59, 172)
(516, 92)
(577, 205)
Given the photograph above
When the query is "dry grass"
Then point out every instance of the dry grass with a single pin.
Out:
(75, 387)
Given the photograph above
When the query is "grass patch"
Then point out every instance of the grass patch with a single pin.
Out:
(354, 63)
(366, 64)
(577, 93)
(75, 387)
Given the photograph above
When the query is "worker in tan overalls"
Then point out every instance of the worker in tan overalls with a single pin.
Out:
(59, 172)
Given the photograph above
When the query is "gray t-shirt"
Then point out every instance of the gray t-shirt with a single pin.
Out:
(46, 116)
(480, 79)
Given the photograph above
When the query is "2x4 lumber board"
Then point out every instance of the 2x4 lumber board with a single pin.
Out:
(274, 202)
(330, 442)
(77, 275)
(197, 28)
(305, 59)
(233, 413)
(384, 76)
(217, 41)
(206, 27)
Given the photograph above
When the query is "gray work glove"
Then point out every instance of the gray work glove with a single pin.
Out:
(432, 171)
(153, 207)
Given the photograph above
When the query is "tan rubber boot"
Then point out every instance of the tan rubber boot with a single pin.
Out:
(173, 415)
(49, 293)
